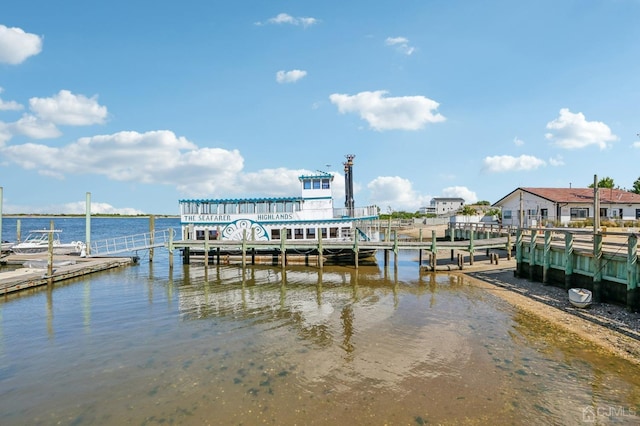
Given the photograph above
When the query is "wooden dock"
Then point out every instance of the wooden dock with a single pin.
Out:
(23, 278)
(245, 249)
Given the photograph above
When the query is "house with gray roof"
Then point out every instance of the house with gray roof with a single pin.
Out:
(540, 206)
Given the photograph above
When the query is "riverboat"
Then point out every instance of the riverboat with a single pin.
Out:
(305, 218)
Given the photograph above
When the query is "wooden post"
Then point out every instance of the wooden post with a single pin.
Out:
(50, 256)
(253, 249)
(206, 246)
(244, 248)
(597, 268)
(356, 249)
(568, 260)
(509, 246)
(395, 248)
(171, 249)
(532, 252)
(518, 270)
(320, 259)
(471, 247)
(87, 223)
(283, 248)
(632, 272)
(152, 226)
(546, 256)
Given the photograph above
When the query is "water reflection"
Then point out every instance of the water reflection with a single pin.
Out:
(228, 345)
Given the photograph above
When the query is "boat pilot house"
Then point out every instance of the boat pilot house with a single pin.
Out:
(310, 216)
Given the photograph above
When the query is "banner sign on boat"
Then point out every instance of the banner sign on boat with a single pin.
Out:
(224, 218)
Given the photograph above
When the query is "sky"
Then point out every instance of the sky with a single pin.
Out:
(144, 103)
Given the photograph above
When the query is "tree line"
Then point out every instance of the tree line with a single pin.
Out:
(607, 182)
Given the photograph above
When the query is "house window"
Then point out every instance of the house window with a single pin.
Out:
(578, 213)
(506, 214)
(544, 213)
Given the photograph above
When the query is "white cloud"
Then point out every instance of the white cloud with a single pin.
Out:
(16, 45)
(284, 18)
(151, 157)
(556, 161)
(33, 127)
(517, 141)
(69, 109)
(401, 44)
(77, 207)
(387, 113)
(9, 105)
(573, 131)
(396, 193)
(290, 76)
(507, 163)
(463, 192)
(636, 144)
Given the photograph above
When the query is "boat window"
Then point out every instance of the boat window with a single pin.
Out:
(316, 184)
(333, 232)
(248, 208)
(345, 232)
(311, 233)
(288, 206)
(262, 207)
(299, 233)
(288, 233)
(279, 207)
(323, 232)
(306, 184)
(275, 234)
(325, 183)
(231, 208)
(213, 208)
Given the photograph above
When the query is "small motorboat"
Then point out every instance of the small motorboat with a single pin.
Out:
(38, 242)
(580, 297)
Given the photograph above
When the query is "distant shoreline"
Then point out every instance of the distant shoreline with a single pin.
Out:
(110, 216)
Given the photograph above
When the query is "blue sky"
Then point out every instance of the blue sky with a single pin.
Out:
(143, 103)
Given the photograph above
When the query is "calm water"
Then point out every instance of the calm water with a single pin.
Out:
(143, 345)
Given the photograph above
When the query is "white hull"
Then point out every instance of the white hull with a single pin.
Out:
(57, 249)
(580, 297)
(37, 242)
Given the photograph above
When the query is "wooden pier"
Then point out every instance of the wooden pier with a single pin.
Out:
(604, 262)
(70, 267)
(462, 240)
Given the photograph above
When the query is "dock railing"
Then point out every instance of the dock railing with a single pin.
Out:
(132, 243)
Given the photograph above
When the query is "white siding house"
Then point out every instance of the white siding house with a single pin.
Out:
(442, 205)
(563, 205)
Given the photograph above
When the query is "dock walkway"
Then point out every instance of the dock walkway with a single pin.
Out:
(24, 278)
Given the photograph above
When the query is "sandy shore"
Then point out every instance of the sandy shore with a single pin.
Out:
(610, 327)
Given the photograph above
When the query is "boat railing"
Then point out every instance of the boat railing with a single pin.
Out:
(356, 212)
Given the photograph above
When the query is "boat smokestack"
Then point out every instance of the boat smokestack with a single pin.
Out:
(348, 184)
